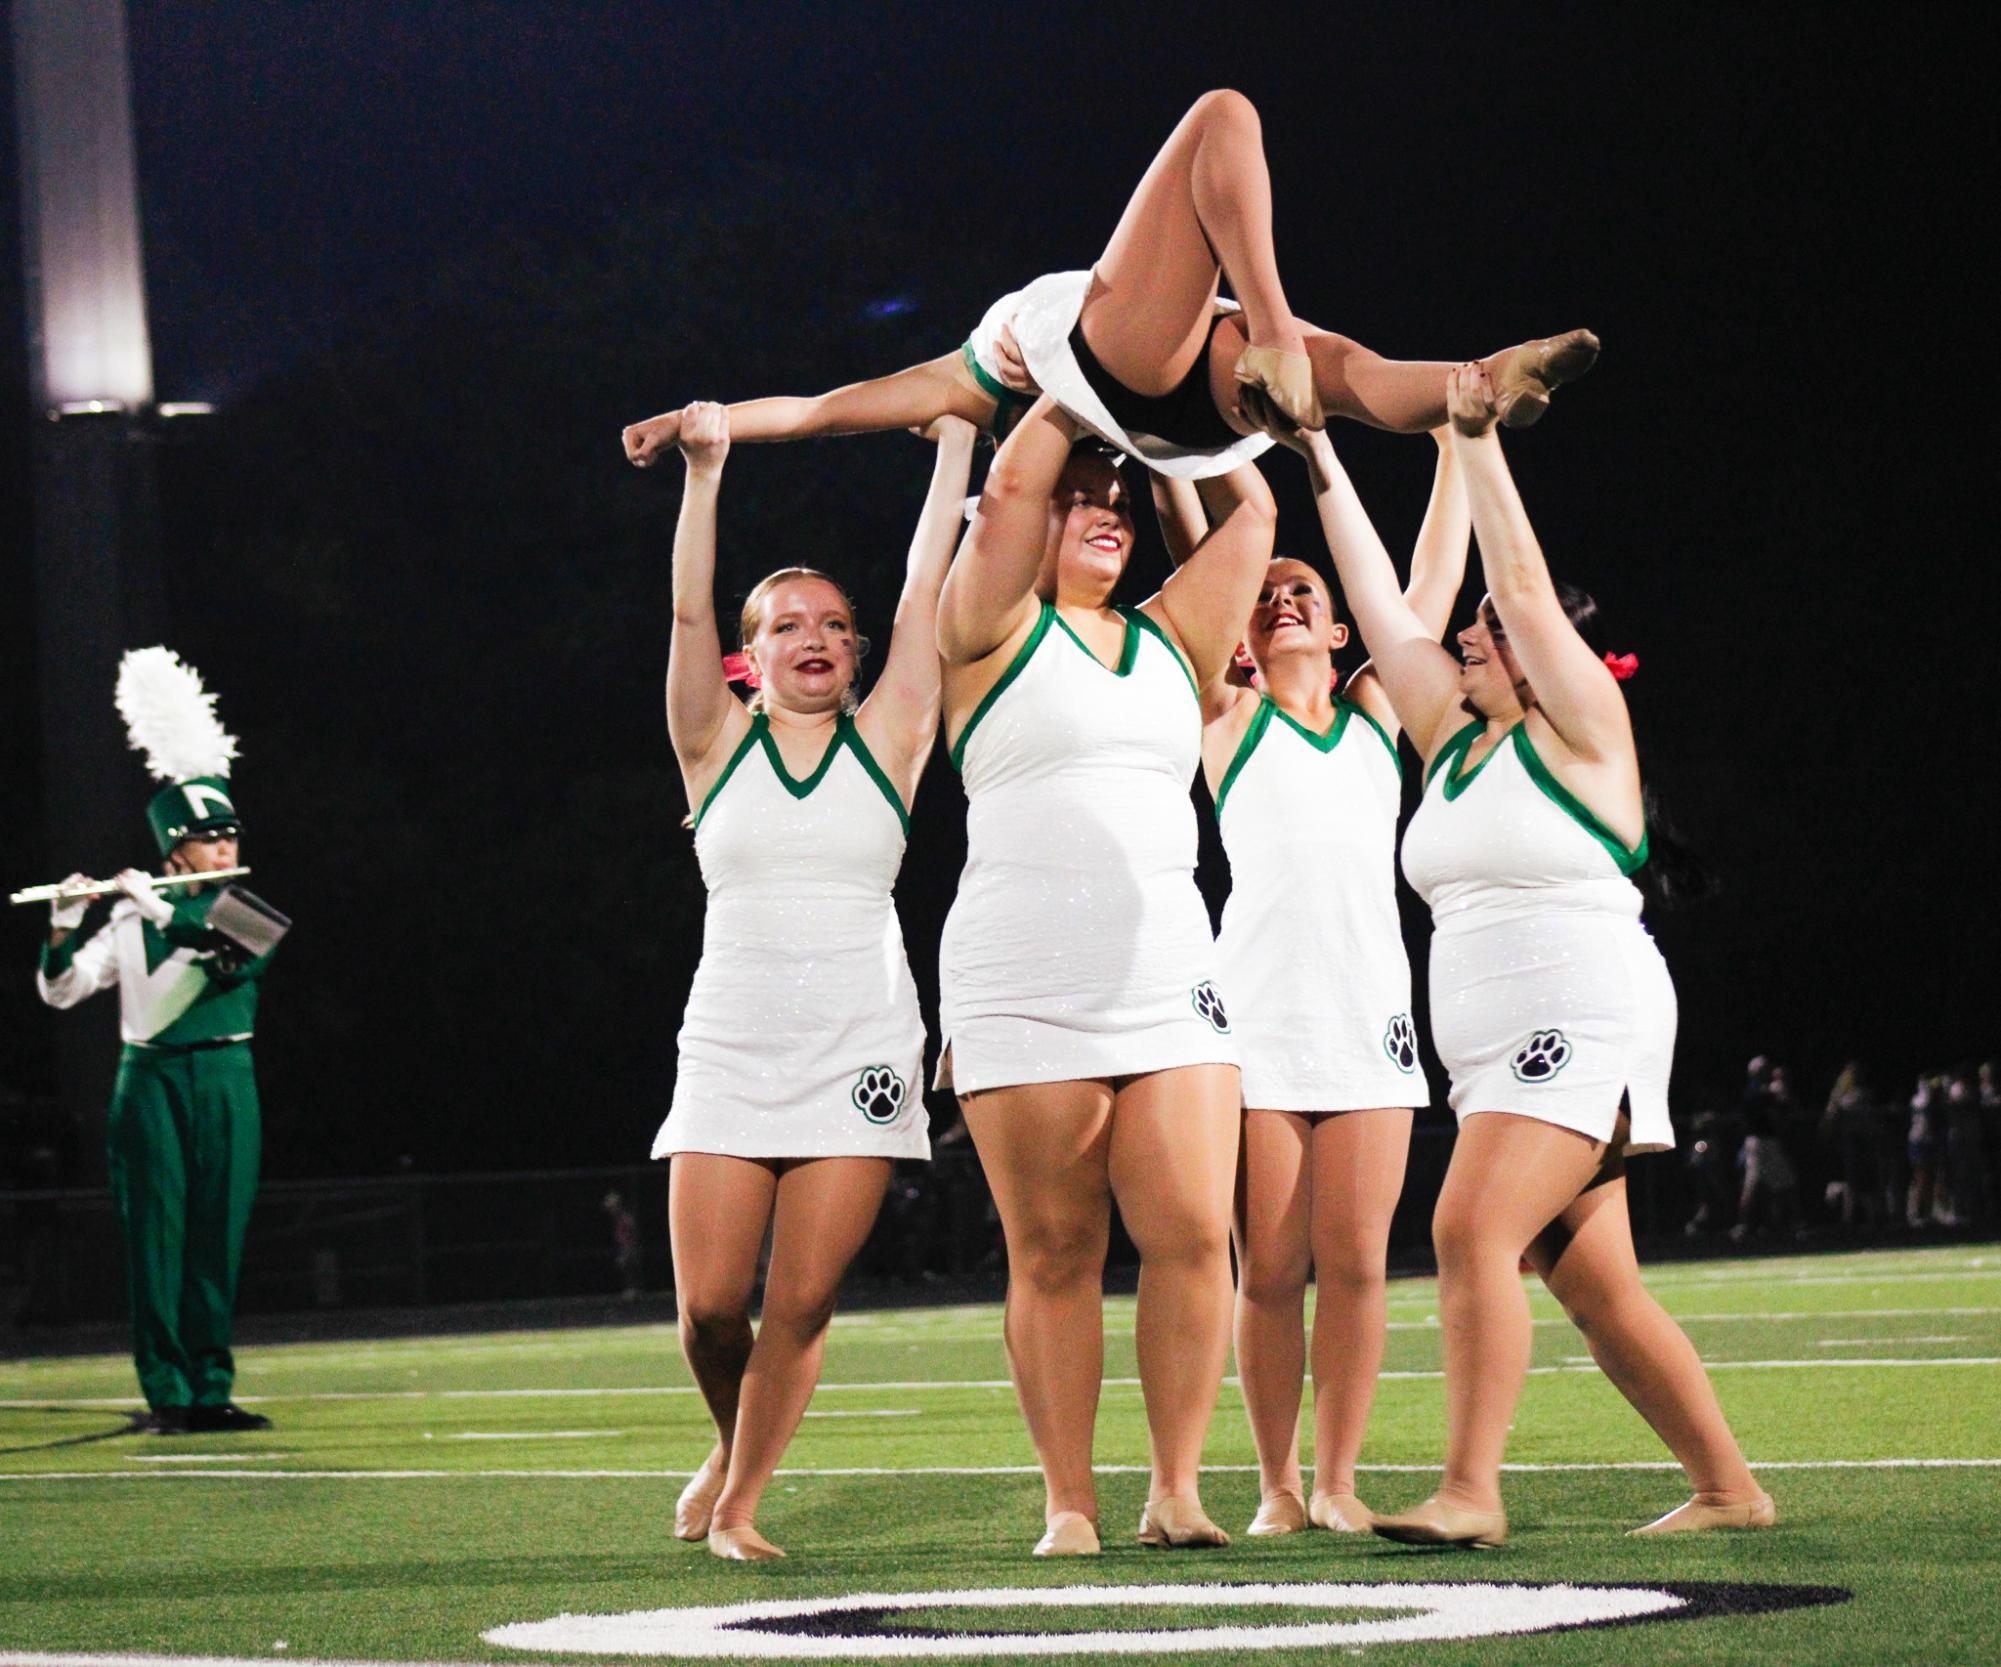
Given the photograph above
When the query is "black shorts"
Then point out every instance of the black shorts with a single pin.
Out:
(1185, 416)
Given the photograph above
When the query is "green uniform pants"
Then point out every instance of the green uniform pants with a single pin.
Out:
(184, 1138)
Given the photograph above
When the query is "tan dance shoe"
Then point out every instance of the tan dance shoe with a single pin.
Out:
(742, 1545)
(1700, 1513)
(1070, 1534)
(698, 1501)
(1283, 1513)
(1286, 380)
(1342, 1513)
(1526, 376)
(1177, 1525)
(1437, 1523)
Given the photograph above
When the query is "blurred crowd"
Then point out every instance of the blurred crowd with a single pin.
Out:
(1870, 1155)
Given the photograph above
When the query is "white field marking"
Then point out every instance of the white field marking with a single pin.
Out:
(1872, 1342)
(757, 1631)
(529, 1435)
(212, 1458)
(851, 1471)
(867, 1412)
(1431, 1324)
(934, 1384)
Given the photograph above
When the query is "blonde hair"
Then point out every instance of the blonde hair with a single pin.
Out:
(752, 618)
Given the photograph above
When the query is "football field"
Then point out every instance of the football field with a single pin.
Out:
(509, 1498)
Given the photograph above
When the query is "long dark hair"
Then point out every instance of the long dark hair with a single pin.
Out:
(1674, 872)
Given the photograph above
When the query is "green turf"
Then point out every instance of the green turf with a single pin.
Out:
(368, 1525)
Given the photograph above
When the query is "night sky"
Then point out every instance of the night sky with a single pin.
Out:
(429, 255)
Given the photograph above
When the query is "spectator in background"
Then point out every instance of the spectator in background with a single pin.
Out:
(1921, 1144)
(1715, 1137)
(1849, 1140)
(1988, 1091)
(627, 1258)
(1769, 1196)
(1965, 1169)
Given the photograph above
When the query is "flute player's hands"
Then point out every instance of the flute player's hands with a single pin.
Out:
(66, 913)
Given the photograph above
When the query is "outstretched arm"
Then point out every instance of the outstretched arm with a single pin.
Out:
(1573, 688)
(991, 587)
(699, 702)
(1437, 570)
(911, 398)
(1438, 560)
(905, 699)
(1420, 677)
(1183, 510)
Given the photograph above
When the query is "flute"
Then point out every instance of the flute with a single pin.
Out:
(104, 888)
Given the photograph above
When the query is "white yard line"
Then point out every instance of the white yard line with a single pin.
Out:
(528, 1435)
(838, 1471)
(922, 1385)
(867, 1412)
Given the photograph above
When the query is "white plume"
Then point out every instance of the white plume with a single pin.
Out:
(170, 717)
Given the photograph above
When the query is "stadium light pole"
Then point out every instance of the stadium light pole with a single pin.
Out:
(96, 567)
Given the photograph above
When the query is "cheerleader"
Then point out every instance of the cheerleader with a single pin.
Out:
(1144, 352)
(1551, 1008)
(1308, 788)
(1083, 1028)
(798, 1078)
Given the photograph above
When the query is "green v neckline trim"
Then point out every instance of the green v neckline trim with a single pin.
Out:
(1452, 758)
(1128, 649)
(1630, 859)
(843, 727)
(1345, 712)
(845, 735)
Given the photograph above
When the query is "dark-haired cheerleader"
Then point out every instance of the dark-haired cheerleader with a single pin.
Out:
(1550, 1005)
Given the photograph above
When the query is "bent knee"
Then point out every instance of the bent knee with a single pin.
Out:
(1272, 1282)
(1226, 106)
(1054, 1256)
(1461, 1234)
(711, 1316)
(799, 1314)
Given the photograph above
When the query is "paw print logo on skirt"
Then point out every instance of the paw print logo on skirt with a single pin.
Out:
(878, 1094)
(1400, 1043)
(1209, 1004)
(1539, 1058)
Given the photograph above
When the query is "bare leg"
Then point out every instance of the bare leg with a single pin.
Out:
(914, 397)
(1405, 396)
(1586, 1259)
(717, 1210)
(1203, 205)
(1046, 1149)
(1274, 1252)
(1358, 1169)
(1173, 1166)
(825, 1208)
(1508, 1179)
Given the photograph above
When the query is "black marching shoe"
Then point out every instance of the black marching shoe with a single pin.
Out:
(228, 1419)
(163, 1421)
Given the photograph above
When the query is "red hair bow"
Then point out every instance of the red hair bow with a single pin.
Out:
(1622, 666)
(738, 669)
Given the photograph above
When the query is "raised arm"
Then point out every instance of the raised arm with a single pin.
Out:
(1183, 509)
(1207, 599)
(902, 710)
(914, 397)
(991, 586)
(1573, 688)
(1420, 678)
(1437, 571)
(1438, 559)
(699, 703)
